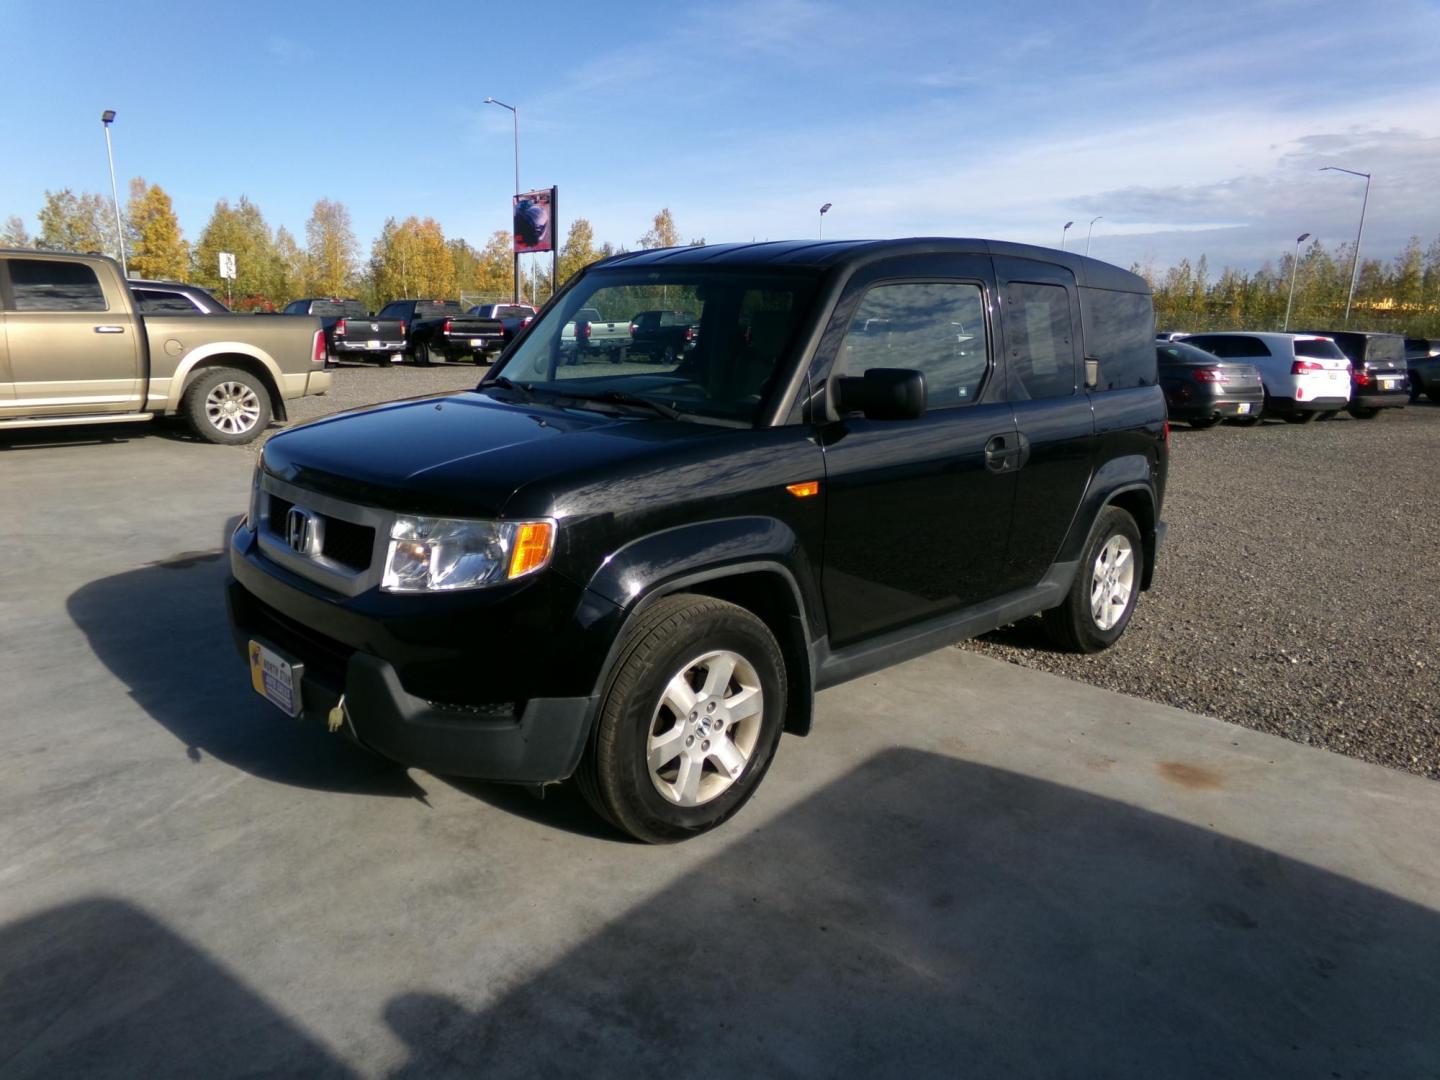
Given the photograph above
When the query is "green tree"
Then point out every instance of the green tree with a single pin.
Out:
(157, 249)
(294, 265)
(260, 275)
(497, 264)
(84, 222)
(15, 234)
(578, 251)
(330, 249)
(662, 232)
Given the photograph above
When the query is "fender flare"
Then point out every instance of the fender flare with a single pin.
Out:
(1127, 480)
(201, 354)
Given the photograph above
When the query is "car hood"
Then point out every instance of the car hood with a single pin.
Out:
(460, 454)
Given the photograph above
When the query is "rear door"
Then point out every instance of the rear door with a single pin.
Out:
(1040, 316)
(71, 340)
(917, 511)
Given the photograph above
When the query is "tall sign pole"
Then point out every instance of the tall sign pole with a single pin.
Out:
(554, 244)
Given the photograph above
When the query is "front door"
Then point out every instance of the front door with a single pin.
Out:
(917, 511)
(71, 342)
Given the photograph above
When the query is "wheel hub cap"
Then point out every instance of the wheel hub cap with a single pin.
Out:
(705, 728)
(1111, 582)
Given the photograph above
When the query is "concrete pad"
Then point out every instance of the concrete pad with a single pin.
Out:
(968, 869)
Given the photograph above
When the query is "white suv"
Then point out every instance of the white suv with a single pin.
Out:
(1305, 375)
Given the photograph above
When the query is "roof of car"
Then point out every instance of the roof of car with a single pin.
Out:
(1291, 335)
(1354, 333)
(835, 253)
(166, 284)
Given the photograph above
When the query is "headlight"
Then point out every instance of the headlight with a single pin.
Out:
(440, 554)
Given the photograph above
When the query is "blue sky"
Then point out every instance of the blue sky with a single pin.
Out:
(1188, 128)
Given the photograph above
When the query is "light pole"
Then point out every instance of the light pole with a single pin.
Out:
(1294, 266)
(106, 119)
(1355, 256)
(514, 115)
(1090, 230)
(1063, 231)
(823, 211)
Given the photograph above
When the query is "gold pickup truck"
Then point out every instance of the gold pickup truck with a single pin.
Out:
(74, 349)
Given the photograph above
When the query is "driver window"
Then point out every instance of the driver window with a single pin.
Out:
(935, 327)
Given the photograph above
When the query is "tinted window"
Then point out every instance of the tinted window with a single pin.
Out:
(425, 308)
(297, 307)
(396, 309)
(45, 285)
(1386, 349)
(1037, 337)
(1120, 333)
(153, 302)
(514, 312)
(934, 327)
(588, 314)
(1318, 349)
(1228, 345)
(354, 309)
(325, 307)
(1176, 353)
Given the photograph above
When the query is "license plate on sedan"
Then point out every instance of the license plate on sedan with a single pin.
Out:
(1387, 384)
(275, 679)
(1242, 408)
(477, 343)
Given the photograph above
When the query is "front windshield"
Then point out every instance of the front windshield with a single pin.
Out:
(709, 344)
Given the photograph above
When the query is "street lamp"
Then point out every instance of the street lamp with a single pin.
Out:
(823, 211)
(1088, 231)
(1294, 266)
(515, 115)
(1355, 256)
(107, 118)
(1063, 231)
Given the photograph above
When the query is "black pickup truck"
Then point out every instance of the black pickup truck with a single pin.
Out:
(440, 331)
(513, 317)
(640, 576)
(350, 329)
(662, 335)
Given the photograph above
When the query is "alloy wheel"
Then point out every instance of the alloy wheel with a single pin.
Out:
(1112, 580)
(232, 407)
(705, 728)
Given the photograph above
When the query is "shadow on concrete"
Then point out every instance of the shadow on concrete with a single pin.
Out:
(930, 917)
(162, 631)
(559, 806)
(168, 429)
(99, 988)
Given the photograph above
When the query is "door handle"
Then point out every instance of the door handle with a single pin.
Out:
(109, 329)
(1001, 453)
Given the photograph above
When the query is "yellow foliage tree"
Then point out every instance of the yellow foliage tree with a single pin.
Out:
(157, 249)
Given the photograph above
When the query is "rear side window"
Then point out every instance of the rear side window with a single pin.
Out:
(297, 307)
(153, 302)
(1318, 349)
(1038, 341)
(1120, 333)
(1238, 345)
(935, 327)
(438, 307)
(47, 285)
(395, 310)
(325, 307)
(353, 309)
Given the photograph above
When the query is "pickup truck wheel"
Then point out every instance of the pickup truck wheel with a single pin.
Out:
(225, 405)
(690, 722)
(1100, 602)
(422, 353)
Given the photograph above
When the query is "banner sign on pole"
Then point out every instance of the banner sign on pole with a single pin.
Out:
(534, 222)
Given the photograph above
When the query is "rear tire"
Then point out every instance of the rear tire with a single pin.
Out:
(1364, 414)
(662, 773)
(1415, 390)
(1248, 421)
(422, 353)
(1102, 598)
(227, 406)
(1329, 414)
(1299, 417)
(1201, 425)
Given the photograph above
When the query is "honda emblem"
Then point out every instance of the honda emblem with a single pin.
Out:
(302, 532)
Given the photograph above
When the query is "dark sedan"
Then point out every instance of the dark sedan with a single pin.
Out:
(1203, 389)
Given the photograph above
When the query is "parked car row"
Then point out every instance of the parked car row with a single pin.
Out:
(1296, 376)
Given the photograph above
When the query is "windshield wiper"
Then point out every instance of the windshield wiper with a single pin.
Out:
(623, 397)
(525, 390)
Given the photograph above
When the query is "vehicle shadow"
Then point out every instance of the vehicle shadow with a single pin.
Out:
(99, 988)
(926, 916)
(162, 631)
(170, 430)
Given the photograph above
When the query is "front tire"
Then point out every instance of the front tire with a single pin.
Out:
(227, 406)
(1102, 598)
(690, 722)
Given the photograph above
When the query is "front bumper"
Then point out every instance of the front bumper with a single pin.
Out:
(420, 685)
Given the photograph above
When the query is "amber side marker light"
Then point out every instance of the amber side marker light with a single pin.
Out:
(805, 490)
(532, 547)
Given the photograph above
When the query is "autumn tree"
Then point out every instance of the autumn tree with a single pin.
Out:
(84, 222)
(578, 251)
(157, 249)
(411, 259)
(662, 232)
(15, 234)
(294, 266)
(497, 265)
(330, 249)
(241, 230)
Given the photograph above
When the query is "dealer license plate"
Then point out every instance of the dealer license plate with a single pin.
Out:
(274, 679)
(1242, 408)
(374, 344)
(1387, 384)
(477, 342)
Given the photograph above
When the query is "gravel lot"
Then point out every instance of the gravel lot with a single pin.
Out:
(1299, 592)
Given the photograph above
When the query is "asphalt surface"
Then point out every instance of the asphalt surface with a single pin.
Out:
(1299, 591)
(968, 868)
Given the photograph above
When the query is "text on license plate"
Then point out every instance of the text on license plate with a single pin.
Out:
(1242, 408)
(374, 344)
(1387, 384)
(476, 342)
(274, 679)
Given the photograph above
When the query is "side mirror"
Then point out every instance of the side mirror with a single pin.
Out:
(881, 394)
